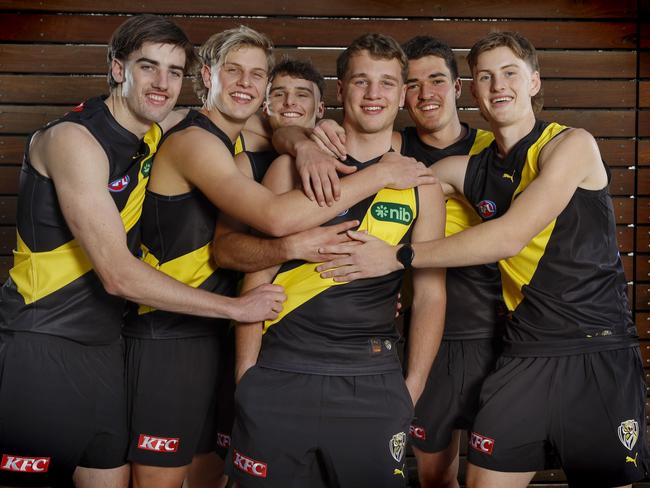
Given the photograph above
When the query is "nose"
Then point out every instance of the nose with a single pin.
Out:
(426, 91)
(244, 79)
(497, 83)
(289, 99)
(372, 90)
(162, 79)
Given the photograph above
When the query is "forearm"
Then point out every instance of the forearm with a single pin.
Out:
(486, 243)
(248, 337)
(140, 283)
(427, 325)
(248, 253)
(293, 211)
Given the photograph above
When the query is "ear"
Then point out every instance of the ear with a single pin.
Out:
(535, 83)
(206, 76)
(265, 108)
(339, 91)
(117, 71)
(458, 84)
(472, 88)
(320, 110)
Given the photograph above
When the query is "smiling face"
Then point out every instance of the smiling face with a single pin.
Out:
(150, 81)
(503, 86)
(431, 93)
(371, 91)
(293, 102)
(237, 86)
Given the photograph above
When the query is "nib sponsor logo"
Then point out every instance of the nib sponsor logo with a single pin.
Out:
(157, 444)
(223, 440)
(417, 432)
(481, 444)
(24, 464)
(248, 465)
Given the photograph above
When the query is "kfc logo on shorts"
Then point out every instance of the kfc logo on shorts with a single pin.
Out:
(487, 208)
(223, 440)
(157, 444)
(24, 464)
(417, 432)
(481, 444)
(119, 184)
(248, 465)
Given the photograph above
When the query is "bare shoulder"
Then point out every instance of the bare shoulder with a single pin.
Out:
(255, 142)
(575, 154)
(61, 146)
(174, 117)
(450, 172)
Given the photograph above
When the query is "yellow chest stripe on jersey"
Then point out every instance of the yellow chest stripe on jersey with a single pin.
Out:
(132, 211)
(192, 268)
(386, 219)
(518, 271)
(39, 274)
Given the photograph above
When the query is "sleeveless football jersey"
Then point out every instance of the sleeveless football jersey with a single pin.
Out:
(52, 288)
(474, 300)
(177, 234)
(343, 328)
(565, 290)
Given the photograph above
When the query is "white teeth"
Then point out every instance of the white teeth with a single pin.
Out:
(432, 106)
(371, 109)
(242, 96)
(502, 99)
(291, 114)
(157, 98)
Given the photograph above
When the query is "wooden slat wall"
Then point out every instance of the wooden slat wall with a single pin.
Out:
(595, 62)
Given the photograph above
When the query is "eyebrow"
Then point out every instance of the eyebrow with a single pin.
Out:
(298, 88)
(432, 75)
(156, 63)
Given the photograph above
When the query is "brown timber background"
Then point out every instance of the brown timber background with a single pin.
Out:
(595, 65)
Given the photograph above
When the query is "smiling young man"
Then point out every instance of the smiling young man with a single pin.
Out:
(468, 350)
(79, 205)
(570, 378)
(326, 404)
(194, 178)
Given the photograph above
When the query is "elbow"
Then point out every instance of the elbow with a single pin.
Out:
(113, 284)
(513, 246)
(220, 255)
(275, 223)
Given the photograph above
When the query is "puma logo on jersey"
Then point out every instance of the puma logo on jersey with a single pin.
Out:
(509, 177)
(632, 460)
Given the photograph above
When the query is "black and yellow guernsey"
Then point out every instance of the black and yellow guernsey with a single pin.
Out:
(474, 299)
(52, 288)
(565, 291)
(342, 328)
(177, 234)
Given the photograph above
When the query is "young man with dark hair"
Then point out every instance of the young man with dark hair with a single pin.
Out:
(570, 378)
(326, 404)
(194, 178)
(62, 397)
(469, 346)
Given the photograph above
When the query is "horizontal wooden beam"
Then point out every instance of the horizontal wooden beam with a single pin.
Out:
(91, 59)
(40, 28)
(549, 9)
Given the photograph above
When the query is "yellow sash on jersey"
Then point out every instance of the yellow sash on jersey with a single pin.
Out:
(38, 274)
(518, 271)
(390, 215)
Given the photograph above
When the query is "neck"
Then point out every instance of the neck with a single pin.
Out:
(364, 146)
(445, 137)
(508, 135)
(231, 127)
(120, 111)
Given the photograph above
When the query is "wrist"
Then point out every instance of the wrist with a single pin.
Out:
(288, 249)
(404, 255)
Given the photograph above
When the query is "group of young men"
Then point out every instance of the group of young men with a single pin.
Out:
(135, 222)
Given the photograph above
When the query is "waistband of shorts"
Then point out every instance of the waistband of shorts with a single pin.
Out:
(567, 347)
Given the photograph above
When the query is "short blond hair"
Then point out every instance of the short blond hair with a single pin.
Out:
(214, 51)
